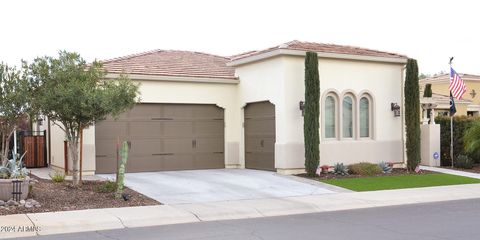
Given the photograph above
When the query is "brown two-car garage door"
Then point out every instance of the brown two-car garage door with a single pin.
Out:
(163, 137)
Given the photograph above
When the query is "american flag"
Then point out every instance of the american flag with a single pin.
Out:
(457, 86)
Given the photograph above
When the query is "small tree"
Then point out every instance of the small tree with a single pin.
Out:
(312, 114)
(14, 104)
(412, 115)
(75, 95)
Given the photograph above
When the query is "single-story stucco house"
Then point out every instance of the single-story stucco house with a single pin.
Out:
(201, 111)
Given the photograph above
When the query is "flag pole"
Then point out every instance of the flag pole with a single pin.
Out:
(451, 122)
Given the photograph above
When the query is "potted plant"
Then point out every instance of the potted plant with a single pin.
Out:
(11, 172)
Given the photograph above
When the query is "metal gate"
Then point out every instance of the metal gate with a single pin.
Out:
(34, 144)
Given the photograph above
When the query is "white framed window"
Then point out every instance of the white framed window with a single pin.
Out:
(347, 116)
(330, 118)
(365, 116)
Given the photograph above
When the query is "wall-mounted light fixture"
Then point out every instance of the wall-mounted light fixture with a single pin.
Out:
(301, 105)
(396, 109)
(473, 93)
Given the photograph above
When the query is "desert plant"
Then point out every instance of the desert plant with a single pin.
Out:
(14, 169)
(123, 153)
(386, 168)
(57, 176)
(107, 187)
(463, 161)
(364, 169)
(311, 114)
(340, 169)
(412, 114)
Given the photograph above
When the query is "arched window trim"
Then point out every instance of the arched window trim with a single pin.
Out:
(330, 93)
(371, 112)
(352, 95)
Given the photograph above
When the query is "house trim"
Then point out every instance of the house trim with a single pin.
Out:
(292, 52)
(142, 77)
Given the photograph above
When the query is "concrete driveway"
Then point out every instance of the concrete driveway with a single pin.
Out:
(196, 186)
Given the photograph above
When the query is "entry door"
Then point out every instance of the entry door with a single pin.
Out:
(260, 136)
(163, 137)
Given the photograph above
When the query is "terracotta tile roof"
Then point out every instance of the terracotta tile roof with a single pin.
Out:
(172, 63)
(321, 47)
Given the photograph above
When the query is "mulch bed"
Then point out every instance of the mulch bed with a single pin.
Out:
(475, 169)
(395, 172)
(64, 197)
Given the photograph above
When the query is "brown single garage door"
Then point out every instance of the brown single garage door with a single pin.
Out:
(260, 136)
(163, 137)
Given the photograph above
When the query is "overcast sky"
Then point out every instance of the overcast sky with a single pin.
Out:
(430, 31)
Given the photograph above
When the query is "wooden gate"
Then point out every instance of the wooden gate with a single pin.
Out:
(34, 144)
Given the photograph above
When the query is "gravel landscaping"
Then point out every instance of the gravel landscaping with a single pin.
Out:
(48, 196)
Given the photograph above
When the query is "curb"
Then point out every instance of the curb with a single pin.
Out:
(117, 218)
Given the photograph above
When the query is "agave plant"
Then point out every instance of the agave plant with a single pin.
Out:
(385, 167)
(14, 169)
(340, 169)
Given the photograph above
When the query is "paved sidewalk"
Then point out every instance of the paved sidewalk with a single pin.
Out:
(103, 219)
(451, 171)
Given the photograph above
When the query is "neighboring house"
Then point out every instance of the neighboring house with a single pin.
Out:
(201, 111)
(468, 105)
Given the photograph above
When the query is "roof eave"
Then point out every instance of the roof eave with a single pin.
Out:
(292, 52)
(145, 77)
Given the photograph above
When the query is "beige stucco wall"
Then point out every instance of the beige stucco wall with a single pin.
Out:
(223, 95)
(281, 80)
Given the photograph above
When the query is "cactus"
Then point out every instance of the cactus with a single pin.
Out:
(340, 169)
(385, 167)
(123, 153)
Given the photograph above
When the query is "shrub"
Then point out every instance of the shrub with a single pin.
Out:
(107, 187)
(365, 169)
(386, 168)
(340, 169)
(463, 161)
(460, 126)
(57, 176)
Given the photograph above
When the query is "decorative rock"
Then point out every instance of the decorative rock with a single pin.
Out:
(11, 202)
(2, 203)
(37, 205)
(22, 202)
(28, 205)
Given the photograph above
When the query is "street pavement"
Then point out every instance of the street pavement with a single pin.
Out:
(441, 220)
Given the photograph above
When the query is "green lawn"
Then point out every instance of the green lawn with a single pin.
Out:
(400, 181)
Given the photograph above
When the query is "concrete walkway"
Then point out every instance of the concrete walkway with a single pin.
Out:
(103, 219)
(451, 171)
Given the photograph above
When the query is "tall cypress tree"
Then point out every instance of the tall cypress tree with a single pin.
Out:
(312, 114)
(412, 114)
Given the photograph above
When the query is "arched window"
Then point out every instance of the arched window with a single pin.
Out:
(347, 117)
(330, 117)
(364, 117)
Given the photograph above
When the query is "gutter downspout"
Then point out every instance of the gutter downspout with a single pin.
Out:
(404, 150)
